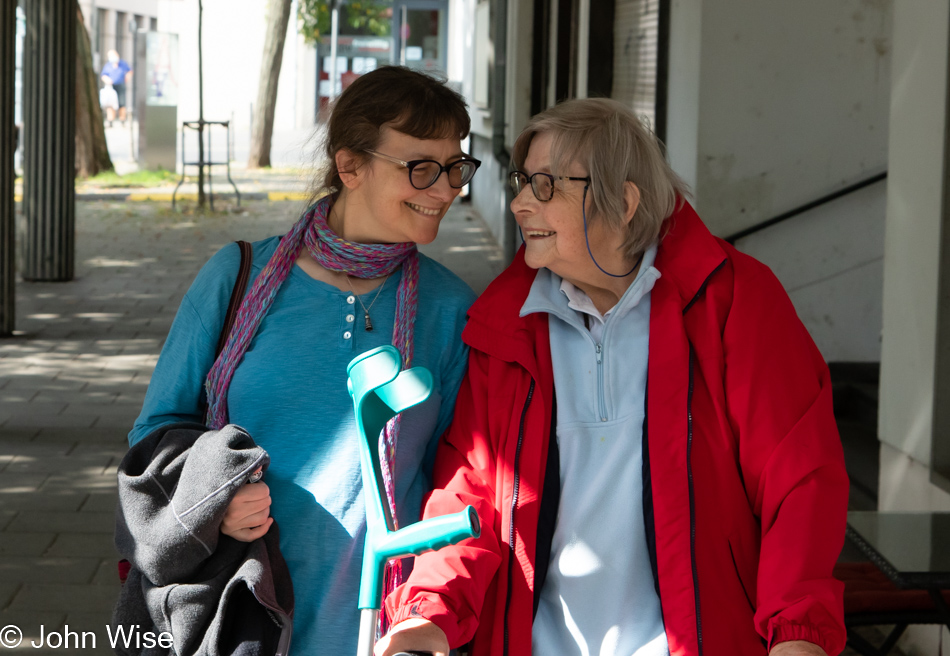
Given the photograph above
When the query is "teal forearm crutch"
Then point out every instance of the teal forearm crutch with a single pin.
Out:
(380, 392)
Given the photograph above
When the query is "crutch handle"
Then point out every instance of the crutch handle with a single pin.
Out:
(432, 534)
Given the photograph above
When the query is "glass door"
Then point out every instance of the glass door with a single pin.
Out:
(422, 35)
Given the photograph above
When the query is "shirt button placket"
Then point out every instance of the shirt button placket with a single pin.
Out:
(350, 317)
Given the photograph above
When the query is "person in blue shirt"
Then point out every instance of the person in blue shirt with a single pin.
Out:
(118, 72)
(345, 279)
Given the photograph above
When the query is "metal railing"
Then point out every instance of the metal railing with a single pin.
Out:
(801, 209)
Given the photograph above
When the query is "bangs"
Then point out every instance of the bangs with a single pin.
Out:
(572, 146)
(422, 120)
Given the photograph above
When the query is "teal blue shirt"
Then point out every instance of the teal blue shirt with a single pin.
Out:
(289, 393)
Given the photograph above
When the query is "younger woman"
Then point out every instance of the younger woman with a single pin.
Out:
(345, 279)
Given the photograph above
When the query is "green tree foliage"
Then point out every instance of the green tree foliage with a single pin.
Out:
(360, 17)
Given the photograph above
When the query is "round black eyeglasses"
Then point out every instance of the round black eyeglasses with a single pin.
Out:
(424, 172)
(542, 184)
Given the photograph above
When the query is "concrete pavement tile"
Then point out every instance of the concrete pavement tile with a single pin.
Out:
(110, 346)
(63, 522)
(116, 451)
(99, 380)
(104, 501)
(24, 544)
(136, 388)
(121, 421)
(29, 623)
(49, 463)
(55, 501)
(15, 395)
(107, 573)
(21, 344)
(18, 448)
(100, 411)
(71, 436)
(84, 481)
(6, 518)
(99, 545)
(34, 406)
(87, 397)
(49, 382)
(48, 569)
(18, 433)
(42, 420)
(21, 483)
(131, 398)
(7, 590)
(148, 347)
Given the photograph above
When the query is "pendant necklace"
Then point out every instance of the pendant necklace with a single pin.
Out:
(368, 325)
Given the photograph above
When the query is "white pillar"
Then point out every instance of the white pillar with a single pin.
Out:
(912, 254)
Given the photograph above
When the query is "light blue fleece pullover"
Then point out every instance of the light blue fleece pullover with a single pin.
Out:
(289, 393)
(599, 597)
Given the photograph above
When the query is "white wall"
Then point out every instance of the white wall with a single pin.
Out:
(682, 105)
(775, 104)
(831, 262)
(914, 213)
(793, 104)
(911, 270)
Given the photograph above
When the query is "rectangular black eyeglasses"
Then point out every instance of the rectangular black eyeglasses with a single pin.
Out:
(542, 187)
(424, 172)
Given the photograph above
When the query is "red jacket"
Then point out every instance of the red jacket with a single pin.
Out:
(745, 490)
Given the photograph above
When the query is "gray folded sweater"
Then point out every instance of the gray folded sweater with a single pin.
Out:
(214, 595)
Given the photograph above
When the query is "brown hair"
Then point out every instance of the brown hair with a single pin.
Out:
(403, 99)
(614, 147)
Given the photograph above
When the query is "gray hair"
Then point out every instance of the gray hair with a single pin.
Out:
(614, 147)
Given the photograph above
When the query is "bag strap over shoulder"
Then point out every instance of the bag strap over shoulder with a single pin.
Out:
(237, 294)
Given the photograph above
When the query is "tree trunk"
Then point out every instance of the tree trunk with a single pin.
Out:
(262, 123)
(92, 154)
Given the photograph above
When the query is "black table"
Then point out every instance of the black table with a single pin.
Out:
(913, 551)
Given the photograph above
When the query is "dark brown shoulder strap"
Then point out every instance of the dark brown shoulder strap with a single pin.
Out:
(237, 294)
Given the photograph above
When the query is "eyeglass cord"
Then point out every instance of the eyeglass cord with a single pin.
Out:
(587, 240)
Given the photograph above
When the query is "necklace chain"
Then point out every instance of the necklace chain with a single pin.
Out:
(368, 324)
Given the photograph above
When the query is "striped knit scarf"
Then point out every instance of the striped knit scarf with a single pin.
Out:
(335, 254)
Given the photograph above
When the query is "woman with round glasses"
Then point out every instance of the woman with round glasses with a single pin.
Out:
(645, 430)
(345, 279)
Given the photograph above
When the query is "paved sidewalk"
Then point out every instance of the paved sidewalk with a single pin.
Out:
(73, 380)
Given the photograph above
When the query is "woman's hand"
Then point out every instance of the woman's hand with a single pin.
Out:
(414, 634)
(248, 515)
(797, 648)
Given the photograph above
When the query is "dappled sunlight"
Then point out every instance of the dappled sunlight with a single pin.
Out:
(482, 248)
(107, 262)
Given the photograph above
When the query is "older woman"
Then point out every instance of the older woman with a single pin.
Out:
(645, 429)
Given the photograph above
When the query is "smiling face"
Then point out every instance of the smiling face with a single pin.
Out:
(380, 205)
(554, 230)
